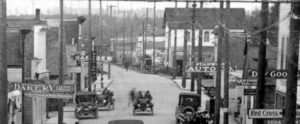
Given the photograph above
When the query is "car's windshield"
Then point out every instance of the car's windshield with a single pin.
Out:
(85, 98)
(189, 100)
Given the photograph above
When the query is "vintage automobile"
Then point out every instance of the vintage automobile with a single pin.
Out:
(143, 105)
(105, 102)
(187, 107)
(129, 121)
(86, 105)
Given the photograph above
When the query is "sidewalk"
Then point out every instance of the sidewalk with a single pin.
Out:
(71, 107)
(54, 116)
(204, 97)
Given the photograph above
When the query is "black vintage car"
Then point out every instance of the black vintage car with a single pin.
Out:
(187, 107)
(86, 105)
(105, 102)
(143, 105)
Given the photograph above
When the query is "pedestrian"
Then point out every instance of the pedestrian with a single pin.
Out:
(132, 96)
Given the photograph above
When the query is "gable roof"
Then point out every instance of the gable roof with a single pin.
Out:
(181, 18)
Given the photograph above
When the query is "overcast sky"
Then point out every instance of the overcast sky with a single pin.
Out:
(17, 7)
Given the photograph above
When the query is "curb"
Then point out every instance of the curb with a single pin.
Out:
(109, 83)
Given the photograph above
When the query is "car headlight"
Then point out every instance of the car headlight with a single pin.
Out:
(90, 107)
(138, 105)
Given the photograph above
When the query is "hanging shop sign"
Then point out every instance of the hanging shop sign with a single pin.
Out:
(98, 58)
(205, 67)
(43, 90)
(265, 113)
(278, 74)
(249, 92)
(242, 82)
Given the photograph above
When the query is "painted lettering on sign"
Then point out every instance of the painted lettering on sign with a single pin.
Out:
(41, 87)
(243, 82)
(278, 74)
(205, 69)
(265, 113)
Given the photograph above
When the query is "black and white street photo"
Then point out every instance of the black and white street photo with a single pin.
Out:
(149, 61)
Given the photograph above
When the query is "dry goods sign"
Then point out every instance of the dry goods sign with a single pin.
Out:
(278, 74)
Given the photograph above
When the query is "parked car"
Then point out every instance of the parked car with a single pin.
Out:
(105, 102)
(187, 107)
(86, 105)
(126, 122)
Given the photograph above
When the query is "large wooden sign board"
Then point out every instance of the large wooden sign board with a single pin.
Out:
(65, 91)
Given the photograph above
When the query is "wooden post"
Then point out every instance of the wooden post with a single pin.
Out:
(175, 52)
(292, 67)
(260, 91)
(226, 71)
(199, 75)
(3, 63)
(154, 19)
(61, 71)
(219, 69)
(193, 47)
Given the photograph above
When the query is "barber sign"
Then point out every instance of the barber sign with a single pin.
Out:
(265, 113)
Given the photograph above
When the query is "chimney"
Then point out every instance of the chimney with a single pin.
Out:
(37, 14)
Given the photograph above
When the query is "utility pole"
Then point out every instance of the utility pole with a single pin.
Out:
(199, 75)
(226, 71)
(131, 43)
(175, 52)
(169, 45)
(219, 69)
(90, 47)
(260, 91)
(146, 35)
(193, 47)
(292, 67)
(143, 43)
(101, 29)
(3, 63)
(61, 71)
(116, 45)
(154, 18)
(185, 59)
(124, 30)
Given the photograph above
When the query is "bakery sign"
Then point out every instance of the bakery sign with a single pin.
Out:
(65, 91)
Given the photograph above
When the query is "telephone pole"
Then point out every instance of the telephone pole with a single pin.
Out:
(260, 91)
(292, 67)
(175, 52)
(101, 29)
(154, 18)
(199, 78)
(124, 29)
(143, 43)
(219, 69)
(3, 63)
(226, 71)
(146, 29)
(131, 43)
(61, 71)
(193, 47)
(185, 59)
